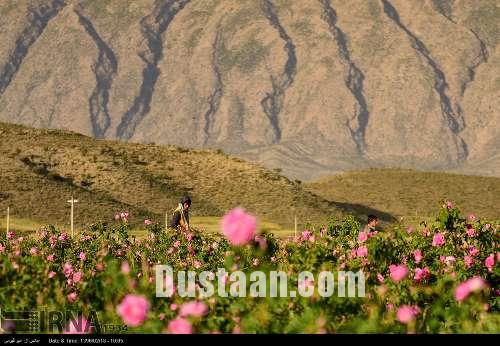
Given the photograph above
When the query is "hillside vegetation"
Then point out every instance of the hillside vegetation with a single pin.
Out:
(42, 169)
(410, 194)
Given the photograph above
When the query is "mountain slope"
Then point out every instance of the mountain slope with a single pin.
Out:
(42, 169)
(312, 87)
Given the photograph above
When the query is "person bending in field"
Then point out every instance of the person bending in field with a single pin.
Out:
(180, 217)
(371, 224)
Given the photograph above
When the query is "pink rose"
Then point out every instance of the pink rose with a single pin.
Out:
(51, 274)
(489, 262)
(362, 237)
(380, 278)
(473, 251)
(422, 274)
(72, 297)
(125, 268)
(362, 251)
(438, 239)
(77, 277)
(406, 314)
(124, 216)
(63, 237)
(11, 234)
(409, 229)
(173, 307)
(469, 261)
(474, 284)
(449, 260)
(50, 258)
(194, 308)
(417, 254)
(398, 272)
(82, 256)
(148, 222)
(238, 226)
(449, 204)
(2, 248)
(133, 310)
(34, 251)
(307, 235)
(472, 217)
(180, 326)
(471, 232)
(68, 269)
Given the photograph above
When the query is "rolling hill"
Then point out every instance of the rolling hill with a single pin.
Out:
(42, 169)
(411, 194)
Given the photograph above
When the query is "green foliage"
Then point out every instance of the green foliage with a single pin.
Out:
(105, 281)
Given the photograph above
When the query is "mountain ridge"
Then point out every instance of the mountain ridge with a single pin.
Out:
(313, 87)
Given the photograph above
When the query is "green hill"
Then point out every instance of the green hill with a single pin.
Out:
(409, 194)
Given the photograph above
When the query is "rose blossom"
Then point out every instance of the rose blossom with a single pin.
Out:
(362, 251)
(362, 237)
(422, 274)
(406, 314)
(180, 326)
(398, 272)
(67, 269)
(72, 297)
(133, 310)
(489, 262)
(417, 254)
(238, 226)
(193, 308)
(469, 261)
(438, 239)
(473, 251)
(471, 232)
(463, 290)
(125, 268)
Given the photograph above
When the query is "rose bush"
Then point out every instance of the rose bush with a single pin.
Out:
(438, 278)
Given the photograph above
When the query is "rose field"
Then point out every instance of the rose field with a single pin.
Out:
(432, 277)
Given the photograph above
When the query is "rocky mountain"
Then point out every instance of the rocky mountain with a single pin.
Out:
(311, 87)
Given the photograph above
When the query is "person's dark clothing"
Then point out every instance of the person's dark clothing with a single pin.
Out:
(176, 220)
